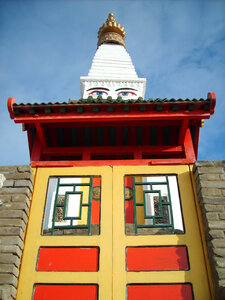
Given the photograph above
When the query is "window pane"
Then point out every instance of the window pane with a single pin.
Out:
(152, 205)
(73, 206)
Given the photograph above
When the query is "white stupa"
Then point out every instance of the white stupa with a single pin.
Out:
(112, 72)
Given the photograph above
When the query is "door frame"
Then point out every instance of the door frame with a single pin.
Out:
(112, 240)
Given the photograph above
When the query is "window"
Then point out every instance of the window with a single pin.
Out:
(73, 206)
(152, 205)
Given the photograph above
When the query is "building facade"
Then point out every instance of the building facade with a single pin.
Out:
(114, 211)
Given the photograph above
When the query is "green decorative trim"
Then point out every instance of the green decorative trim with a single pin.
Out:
(32, 111)
(63, 110)
(135, 213)
(66, 203)
(167, 135)
(96, 109)
(142, 108)
(80, 109)
(99, 136)
(158, 107)
(175, 107)
(139, 135)
(206, 106)
(112, 136)
(48, 110)
(119, 99)
(87, 137)
(74, 137)
(153, 132)
(60, 136)
(126, 108)
(110, 108)
(191, 107)
(125, 136)
(17, 111)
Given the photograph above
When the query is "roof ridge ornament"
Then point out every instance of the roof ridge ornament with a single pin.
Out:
(111, 32)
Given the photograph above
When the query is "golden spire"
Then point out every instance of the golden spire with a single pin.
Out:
(111, 32)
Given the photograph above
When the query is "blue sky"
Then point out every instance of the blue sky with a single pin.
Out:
(45, 46)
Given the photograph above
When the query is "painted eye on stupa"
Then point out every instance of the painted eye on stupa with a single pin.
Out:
(126, 93)
(98, 93)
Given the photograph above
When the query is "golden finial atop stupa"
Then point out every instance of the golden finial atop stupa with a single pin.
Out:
(111, 32)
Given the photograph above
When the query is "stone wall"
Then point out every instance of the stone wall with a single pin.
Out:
(210, 185)
(16, 185)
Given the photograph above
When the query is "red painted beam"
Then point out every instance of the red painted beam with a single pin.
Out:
(128, 162)
(196, 141)
(116, 150)
(145, 123)
(212, 97)
(105, 117)
(36, 150)
(41, 134)
(183, 128)
(188, 147)
(10, 103)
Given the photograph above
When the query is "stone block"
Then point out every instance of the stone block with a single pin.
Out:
(17, 206)
(222, 216)
(204, 163)
(16, 176)
(211, 216)
(218, 243)
(216, 233)
(24, 183)
(8, 258)
(13, 222)
(221, 282)
(219, 252)
(213, 184)
(15, 214)
(14, 249)
(221, 272)
(222, 176)
(16, 190)
(211, 200)
(208, 170)
(214, 208)
(11, 231)
(9, 268)
(8, 169)
(8, 183)
(25, 168)
(8, 279)
(22, 198)
(216, 224)
(11, 240)
(223, 193)
(5, 198)
(2, 180)
(209, 177)
(7, 292)
(205, 191)
(219, 163)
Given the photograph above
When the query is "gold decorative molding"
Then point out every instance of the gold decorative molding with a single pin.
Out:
(111, 32)
(202, 123)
